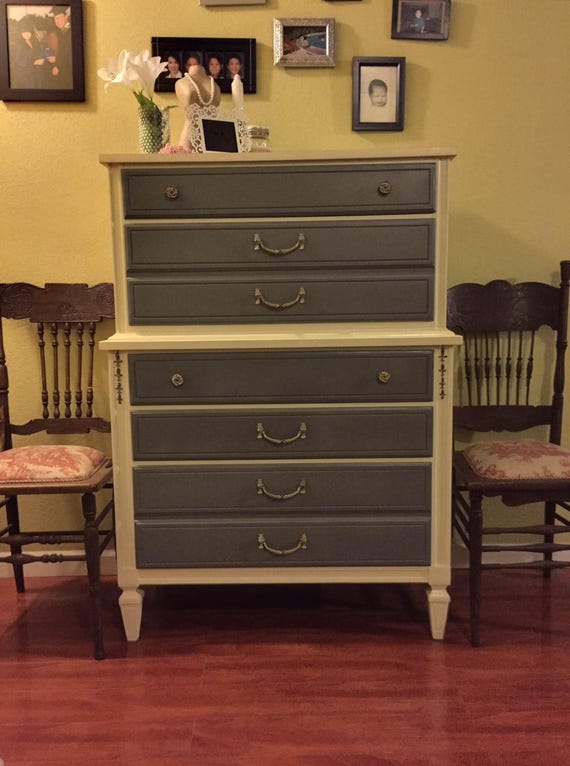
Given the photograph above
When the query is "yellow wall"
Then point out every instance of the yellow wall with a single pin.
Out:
(497, 90)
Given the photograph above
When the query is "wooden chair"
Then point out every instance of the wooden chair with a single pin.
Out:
(504, 327)
(66, 316)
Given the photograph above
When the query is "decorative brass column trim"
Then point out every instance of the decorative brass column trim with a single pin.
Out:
(442, 373)
(117, 361)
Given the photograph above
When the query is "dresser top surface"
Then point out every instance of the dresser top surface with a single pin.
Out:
(395, 153)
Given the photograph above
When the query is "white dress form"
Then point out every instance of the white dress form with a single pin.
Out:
(196, 87)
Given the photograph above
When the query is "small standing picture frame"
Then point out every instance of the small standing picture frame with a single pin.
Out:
(378, 89)
(41, 51)
(413, 20)
(303, 42)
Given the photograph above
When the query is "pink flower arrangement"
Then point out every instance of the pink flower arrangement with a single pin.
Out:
(174, 149)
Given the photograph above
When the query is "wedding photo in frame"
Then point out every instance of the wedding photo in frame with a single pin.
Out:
(41, 51)
(428, 20)
(221, 57)
(378, 89)
(303, 42)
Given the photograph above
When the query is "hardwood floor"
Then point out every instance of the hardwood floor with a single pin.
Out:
(288, 676)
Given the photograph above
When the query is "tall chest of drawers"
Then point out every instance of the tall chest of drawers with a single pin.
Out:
(279, 373)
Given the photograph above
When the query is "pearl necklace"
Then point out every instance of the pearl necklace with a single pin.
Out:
(197, 89)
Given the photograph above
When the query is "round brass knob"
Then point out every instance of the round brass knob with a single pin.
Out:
(171, 192)
(385, 188)
(177, 380)
(384, 376)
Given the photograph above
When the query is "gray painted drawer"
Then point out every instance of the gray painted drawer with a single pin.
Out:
(273, 434)
(168, 492)
(304, 244)
(392, 541)
(232, 377)
(262, 298)
(279, 190)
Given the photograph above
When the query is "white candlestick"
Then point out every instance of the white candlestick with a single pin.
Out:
(237, 92)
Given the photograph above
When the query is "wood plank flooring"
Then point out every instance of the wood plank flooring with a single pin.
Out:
(287, 676)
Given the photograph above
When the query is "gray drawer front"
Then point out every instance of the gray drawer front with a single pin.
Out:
(277, 190)
(360, 296)
(270, 434)
(392, 541)
(282, 376)
(182, 491)
(215, 246)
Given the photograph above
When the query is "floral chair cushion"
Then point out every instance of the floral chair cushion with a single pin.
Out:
(49, 463)
(510, 460)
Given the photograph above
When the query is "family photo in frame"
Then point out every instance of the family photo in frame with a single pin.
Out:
(429, 20)
(222, 58)
(303, 42)
(378, 87)
(41, 51)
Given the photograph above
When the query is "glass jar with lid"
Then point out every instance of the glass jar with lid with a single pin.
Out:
(259, 136)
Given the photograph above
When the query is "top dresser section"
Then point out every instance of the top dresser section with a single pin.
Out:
(278, 190)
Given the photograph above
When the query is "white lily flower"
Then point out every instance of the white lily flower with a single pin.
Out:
(136, 71)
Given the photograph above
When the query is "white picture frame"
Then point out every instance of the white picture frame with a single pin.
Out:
(303, 42)
(232, 2)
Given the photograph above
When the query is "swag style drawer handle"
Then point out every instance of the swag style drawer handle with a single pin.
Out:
(262, 490)
(384, 376)
(258, 245)
(171, 192)
(177, 380)
(301, 434)
(261, 300)
(263, 546)
(384, 188)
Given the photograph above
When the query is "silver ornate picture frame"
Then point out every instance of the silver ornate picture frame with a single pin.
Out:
(303, 42)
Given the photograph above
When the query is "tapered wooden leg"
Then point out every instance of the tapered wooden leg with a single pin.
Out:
(14, 522)
(130, 601)
(92, 555)
(438, 603)
(475, 558)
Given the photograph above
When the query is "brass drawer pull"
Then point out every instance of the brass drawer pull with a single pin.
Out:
(171, 192)
(177, 380)
(258, 245)
(301, 434)
(262, 545)
(384, 188)
(259, 299)
(384, 376)
(262, 490)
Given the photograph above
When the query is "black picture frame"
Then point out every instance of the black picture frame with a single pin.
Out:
(378, 91)
(204, 49)
(421, 19)
(31, 32)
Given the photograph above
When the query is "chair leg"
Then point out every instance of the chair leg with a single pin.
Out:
(13, 519)
(93, 559)
(475, 559)
(549, 511)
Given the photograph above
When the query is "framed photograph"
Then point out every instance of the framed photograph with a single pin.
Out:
(232, 2)
(41, 51)
(303, 42)
(378, 88)
(427, 20)
(219, 135)
(221, 57)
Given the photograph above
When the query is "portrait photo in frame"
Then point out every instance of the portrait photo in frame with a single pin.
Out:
(378, 90)
(428, 20)
(303, 42)
(220, 56)
(41, 51)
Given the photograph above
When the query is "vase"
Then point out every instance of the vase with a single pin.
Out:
(154, 129)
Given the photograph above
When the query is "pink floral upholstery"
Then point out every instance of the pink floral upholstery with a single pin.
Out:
(49, 463)
(518, 460)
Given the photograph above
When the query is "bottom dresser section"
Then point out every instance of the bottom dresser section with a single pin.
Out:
(392, 540)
